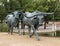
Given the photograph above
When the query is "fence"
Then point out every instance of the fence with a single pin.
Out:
(52, 27)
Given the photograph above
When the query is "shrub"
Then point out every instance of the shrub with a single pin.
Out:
(58, 33)
(3, 27)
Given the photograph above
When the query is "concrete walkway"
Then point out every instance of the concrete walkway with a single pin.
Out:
(24, 40)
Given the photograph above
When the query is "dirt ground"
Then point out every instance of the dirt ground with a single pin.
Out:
(24, 40)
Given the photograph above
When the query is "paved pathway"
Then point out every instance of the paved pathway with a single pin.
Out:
(24, 40)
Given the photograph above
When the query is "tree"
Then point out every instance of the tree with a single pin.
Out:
(30, 5)
(2, 11)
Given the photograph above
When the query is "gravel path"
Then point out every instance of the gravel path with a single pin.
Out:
(24, 40)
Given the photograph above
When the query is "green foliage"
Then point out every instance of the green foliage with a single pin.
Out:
(58, 33)
(30, 5)
(2, 13)
(14, 5)
(3, 27)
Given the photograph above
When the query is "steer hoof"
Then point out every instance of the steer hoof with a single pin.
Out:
(23, 33)
(8, 33)
(19, 34)
(38, 39)
(11, 34)
(30, 36)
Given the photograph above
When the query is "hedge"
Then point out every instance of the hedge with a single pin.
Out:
(3, 27)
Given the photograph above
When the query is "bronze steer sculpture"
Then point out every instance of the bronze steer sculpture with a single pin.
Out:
(33, 21)
(12, 20)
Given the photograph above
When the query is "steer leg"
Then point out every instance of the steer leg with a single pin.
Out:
(35, 33)
(23, 30)
(29, 31)
(18, 30)
(11, 30)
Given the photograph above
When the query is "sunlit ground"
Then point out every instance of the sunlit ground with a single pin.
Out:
(24, 40)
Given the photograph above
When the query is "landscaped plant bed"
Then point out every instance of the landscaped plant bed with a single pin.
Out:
(3, 27)
(58, 33)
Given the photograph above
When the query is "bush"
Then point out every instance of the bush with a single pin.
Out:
(3, 27)
(58, 33)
